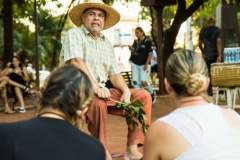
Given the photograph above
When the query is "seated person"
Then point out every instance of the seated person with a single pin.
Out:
(88, 49)
(4, 81)
(55, 133)
(197, 129)
(17, 73)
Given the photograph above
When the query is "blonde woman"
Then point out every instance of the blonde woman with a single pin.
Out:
(197, 129)
(55, 131)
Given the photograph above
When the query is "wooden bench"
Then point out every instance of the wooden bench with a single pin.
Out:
(127, 76)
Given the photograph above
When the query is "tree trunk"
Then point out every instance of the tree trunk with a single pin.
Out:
(171, 34)
(8, 31)
(56, 53)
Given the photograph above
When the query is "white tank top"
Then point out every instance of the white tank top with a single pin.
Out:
(211, 137)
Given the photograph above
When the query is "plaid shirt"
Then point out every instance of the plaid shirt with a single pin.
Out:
(97, 54)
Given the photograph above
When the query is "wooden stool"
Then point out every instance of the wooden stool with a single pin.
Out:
(229, 96)
(236, 90)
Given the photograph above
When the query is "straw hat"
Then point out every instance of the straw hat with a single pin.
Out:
(112, 15)
(211, 17)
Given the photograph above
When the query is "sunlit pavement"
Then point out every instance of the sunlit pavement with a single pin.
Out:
(116, 126)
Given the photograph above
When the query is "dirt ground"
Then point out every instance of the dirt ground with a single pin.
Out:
(116, 127)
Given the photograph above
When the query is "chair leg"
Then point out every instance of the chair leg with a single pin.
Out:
(234, 97)
(229, 98)
(217, 96)
(236, 91)
(15, 101)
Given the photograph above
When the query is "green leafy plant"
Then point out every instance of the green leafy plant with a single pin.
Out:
(133, 112)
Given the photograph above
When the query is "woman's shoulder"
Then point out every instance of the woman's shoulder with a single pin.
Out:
(159, 129)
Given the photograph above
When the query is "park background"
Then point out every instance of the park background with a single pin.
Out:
(181, 23)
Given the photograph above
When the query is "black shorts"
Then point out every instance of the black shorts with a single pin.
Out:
(154, 69)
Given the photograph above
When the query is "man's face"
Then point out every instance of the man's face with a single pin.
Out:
(93, 19)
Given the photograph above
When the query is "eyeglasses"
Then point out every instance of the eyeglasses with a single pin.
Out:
(92, 14)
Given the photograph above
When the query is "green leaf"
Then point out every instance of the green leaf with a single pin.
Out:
(142, 111)
(134, 112)
(137, 103)
(131, 98)
(128, 120)
(144, 117)
(118, 104)
(126, 104)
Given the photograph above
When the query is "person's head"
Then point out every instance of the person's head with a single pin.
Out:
(95, 15)
(93, 19)
(29, 64)
(211, 19)
(68, 90)
(153, 46)
(186, 74)
(16, 62)
(139, 32)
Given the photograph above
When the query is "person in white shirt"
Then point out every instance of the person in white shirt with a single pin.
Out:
(29, 68)
(154, 65)
(197, 129)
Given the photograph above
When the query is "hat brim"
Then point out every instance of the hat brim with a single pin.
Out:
(211, 20)
(112, 16)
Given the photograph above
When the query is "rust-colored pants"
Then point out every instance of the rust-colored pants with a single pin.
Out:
(97, 115)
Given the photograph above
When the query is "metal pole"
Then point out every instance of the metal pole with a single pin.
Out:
(36, 45)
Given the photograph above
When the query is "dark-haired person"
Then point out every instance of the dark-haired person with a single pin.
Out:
(141, 54)
(55, 131)
(197, 129)
(17, 72)
(87, 48)
(210, 43)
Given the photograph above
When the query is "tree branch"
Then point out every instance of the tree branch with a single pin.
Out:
(193, 7)
(183, 13)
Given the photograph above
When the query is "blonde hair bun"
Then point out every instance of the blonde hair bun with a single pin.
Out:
(196, 84)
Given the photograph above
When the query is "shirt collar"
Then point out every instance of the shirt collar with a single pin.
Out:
(86, 32)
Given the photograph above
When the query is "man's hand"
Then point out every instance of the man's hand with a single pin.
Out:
(102, 92)
(126, 96)
(219, 58)
(145, 67)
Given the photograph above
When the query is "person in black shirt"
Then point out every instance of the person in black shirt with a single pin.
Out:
(141, 54)
(210, 36)
(55, 131)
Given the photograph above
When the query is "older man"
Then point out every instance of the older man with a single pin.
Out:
(88, 49)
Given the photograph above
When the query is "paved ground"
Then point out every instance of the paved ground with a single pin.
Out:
(116, 127)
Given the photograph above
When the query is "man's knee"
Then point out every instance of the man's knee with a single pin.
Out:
(135, 83)
(98, 103)
(142, 94)
(144, 83)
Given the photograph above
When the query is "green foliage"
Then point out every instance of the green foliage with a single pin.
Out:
(134, 113)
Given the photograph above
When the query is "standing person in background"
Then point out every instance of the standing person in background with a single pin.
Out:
(197, 129)
(29, 68)
(210, 37)
(87, 48)
(141, 54)
(154, 65)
